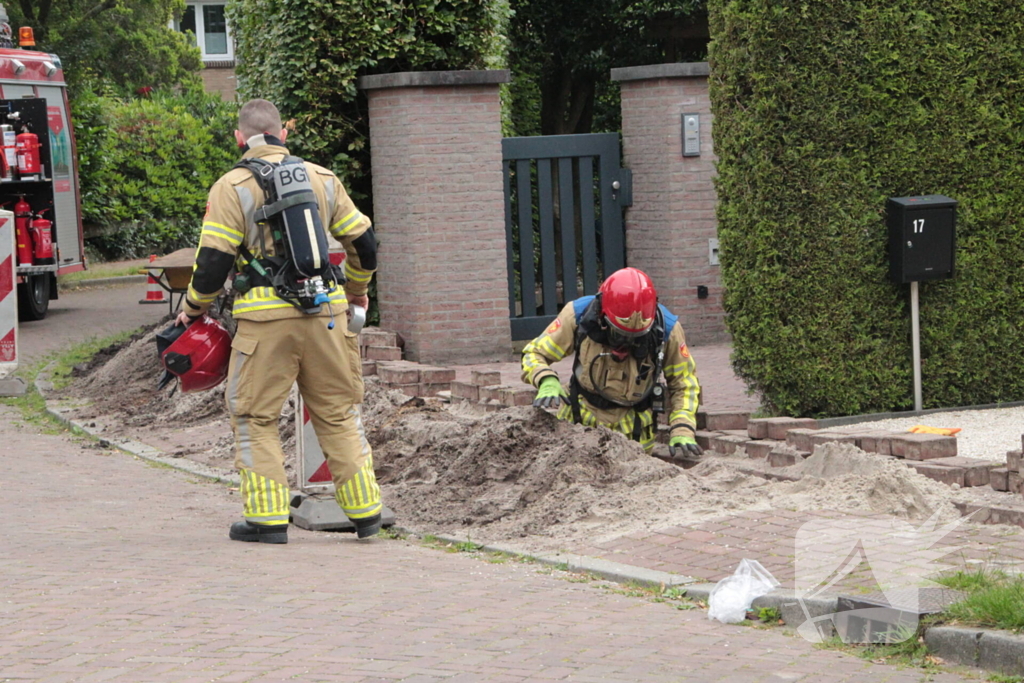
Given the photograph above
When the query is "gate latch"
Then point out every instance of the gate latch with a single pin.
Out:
(622, 188)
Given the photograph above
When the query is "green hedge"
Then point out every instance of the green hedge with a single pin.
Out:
(146, 167)
(822, 111)
(305, 56)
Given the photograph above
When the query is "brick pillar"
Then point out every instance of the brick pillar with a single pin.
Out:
(438, 203)
(673, 212)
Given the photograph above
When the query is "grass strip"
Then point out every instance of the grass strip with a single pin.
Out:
(99, 271)
(32, 405)
(994, 599)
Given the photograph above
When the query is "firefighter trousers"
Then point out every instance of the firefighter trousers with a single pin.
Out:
(267, 358)
(623, 421)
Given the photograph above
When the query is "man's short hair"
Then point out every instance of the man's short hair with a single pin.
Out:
(259, 116)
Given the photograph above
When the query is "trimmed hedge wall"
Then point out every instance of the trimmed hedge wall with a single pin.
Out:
(822, 111)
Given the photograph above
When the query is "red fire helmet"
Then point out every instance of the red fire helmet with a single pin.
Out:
(197, 355)
(629, 301)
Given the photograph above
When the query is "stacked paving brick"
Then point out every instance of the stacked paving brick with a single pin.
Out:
(484, 389)
(785, 441)
(415, 379)
(382, 356)
(1009, 478)
(377, 345)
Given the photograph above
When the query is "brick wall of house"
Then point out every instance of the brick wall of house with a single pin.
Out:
(219, 78)
(673, 212)
(439, 213)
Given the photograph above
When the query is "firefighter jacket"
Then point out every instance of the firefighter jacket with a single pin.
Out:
(622, 382)
(229, 224)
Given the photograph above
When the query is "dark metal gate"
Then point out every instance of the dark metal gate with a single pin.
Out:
(564, 196)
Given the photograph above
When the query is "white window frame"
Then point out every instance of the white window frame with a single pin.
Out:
(201, 33)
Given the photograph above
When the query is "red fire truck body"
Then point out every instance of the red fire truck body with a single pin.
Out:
(34, 111)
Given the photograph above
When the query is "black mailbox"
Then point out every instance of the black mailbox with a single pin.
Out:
(922, 237)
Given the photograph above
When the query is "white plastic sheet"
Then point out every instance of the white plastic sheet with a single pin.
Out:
(732, 596)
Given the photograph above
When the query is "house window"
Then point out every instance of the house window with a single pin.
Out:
(209, 28)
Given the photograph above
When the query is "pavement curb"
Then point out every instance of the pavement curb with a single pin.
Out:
(104, 282)
(136, 448)
(794, 611)
(986, 649)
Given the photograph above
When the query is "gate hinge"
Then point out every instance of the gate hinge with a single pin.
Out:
(622, 188)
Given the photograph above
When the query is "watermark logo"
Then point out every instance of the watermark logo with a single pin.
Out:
(888, 553)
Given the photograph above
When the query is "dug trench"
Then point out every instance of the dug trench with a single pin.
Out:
(516, 475)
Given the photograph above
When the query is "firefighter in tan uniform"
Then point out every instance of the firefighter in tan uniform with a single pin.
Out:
(278, 342)
(623, 341)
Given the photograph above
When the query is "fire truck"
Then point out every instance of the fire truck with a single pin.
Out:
(38, 169)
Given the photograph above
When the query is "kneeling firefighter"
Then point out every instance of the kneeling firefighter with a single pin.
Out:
(267, 222)
(623, 341)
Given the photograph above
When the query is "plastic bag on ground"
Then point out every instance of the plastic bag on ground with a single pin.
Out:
(732, 596)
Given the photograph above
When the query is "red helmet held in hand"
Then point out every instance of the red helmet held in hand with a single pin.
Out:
(197, 355)
(629, 302)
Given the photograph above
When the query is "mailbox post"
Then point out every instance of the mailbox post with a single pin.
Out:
(922, 246)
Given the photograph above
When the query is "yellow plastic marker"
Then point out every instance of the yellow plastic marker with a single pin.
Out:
(944, 431)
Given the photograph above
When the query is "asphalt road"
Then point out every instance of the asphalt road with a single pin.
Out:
(86, 313)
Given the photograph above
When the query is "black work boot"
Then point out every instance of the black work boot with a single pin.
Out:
(368, 527)
(261, 533)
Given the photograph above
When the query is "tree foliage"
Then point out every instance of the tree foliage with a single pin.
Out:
(146, 166)
(819, 117)
(305, 56)
(116, 44)
(561, 54)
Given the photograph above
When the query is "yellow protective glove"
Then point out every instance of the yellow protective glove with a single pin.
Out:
(684, 446)
(550, 393)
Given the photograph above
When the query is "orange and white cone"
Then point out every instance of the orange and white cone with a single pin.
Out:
(154, 293)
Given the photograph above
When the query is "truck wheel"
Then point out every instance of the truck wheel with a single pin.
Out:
(34, 297)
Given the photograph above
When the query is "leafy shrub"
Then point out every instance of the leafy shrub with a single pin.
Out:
(819, 117)
(305, 56)
(146, 166)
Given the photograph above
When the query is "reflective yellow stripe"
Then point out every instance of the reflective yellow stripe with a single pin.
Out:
(200, 298)
(222, 227)
(548, 344)
(357, 274)
(264, 499)
(676, 369)
(230, 234)
(264, 298)
(359, 497)
(346, 224)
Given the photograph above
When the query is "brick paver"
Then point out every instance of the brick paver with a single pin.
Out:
(113, 570)
(711, 550)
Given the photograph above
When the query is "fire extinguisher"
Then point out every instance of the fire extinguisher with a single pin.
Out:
(28, 155)
(42, 236)
(22, 217)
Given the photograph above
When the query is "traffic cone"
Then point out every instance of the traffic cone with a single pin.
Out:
(154, 293)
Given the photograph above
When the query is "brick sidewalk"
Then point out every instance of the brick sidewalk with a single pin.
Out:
(711, 551)
(722, 389)
(113, 570)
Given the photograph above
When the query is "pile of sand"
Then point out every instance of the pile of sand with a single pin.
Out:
(843, 477)
(123, 385)
(118, 386)
(515, 473)
(521, 473)
(520, 470)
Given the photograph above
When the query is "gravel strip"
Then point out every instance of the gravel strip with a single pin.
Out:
(986, 434)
